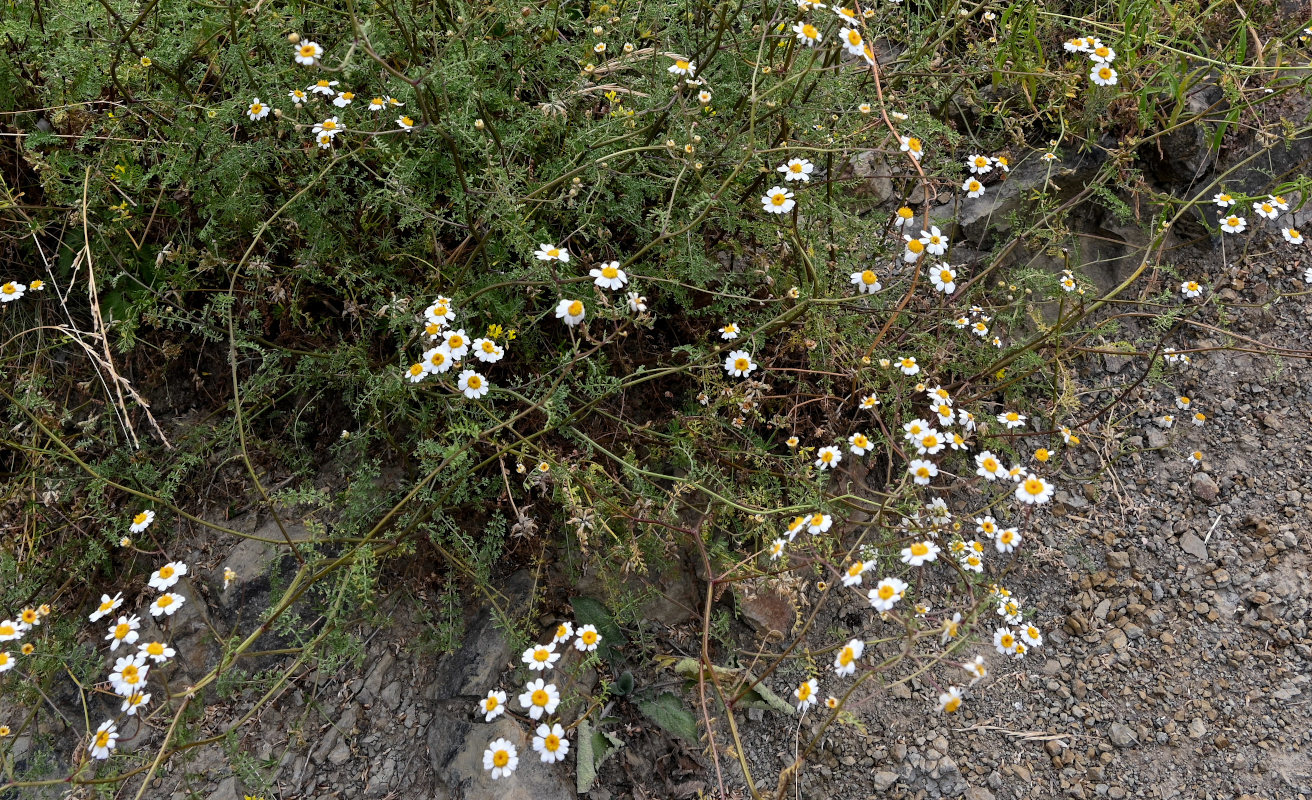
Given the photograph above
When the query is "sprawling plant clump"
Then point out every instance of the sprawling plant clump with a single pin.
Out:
(786, 291)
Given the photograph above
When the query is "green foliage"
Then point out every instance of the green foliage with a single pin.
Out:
(669, 712)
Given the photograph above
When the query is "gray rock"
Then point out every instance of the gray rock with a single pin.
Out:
(1191, 544)
(978, 793)
(341, 753)
(1122, 735)
(377, 675)
(391, 696)
(227, 790)
(1204, 487)
(1118, 560)
(478, 664)
(884, 781)
(462, 770)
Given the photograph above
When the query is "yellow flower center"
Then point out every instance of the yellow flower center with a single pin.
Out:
(610, 272)
(1267, 207)
(541, 698)
(500, 758)
(347, 95)
(130, 674)
(778, 198)
(165, 601)
(681, 64)
(869, 278)
(1007, 640)
(488, 347)
(1102, 52)
(576, 308)
(437, 359)
(990, 465)
(741, 364)
(919, 549)
(1232, 221)
(861, 441)
(28, 616)
(915, 246)
(809, 31)
(922, 472)
(456, 341)
(407, 122)
(377, 101)
(492, 702)
(796, 167)
(308, 50)
(416, 369)
(913, 144)
(1295, 235)
(1104, 73)
(102, 739)
(329, 125)
(1007, 537)
(1033, 486)
(476, 382)
(803, 691)
(885, 592)
(818, 520)
(120, 630)
(952, 705)
(541, 654)
(551, 742)
(155, 649)
(256, 108)
(1041, 454)
(166, 571)
(139, 519)
(827, 456)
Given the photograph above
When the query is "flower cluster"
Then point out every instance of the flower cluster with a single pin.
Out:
(453, 344)
(129, 673)
(1269, 208)
(1100, 54)
(13, 290)
(539, 700)
(325, 131)
(934, 444)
